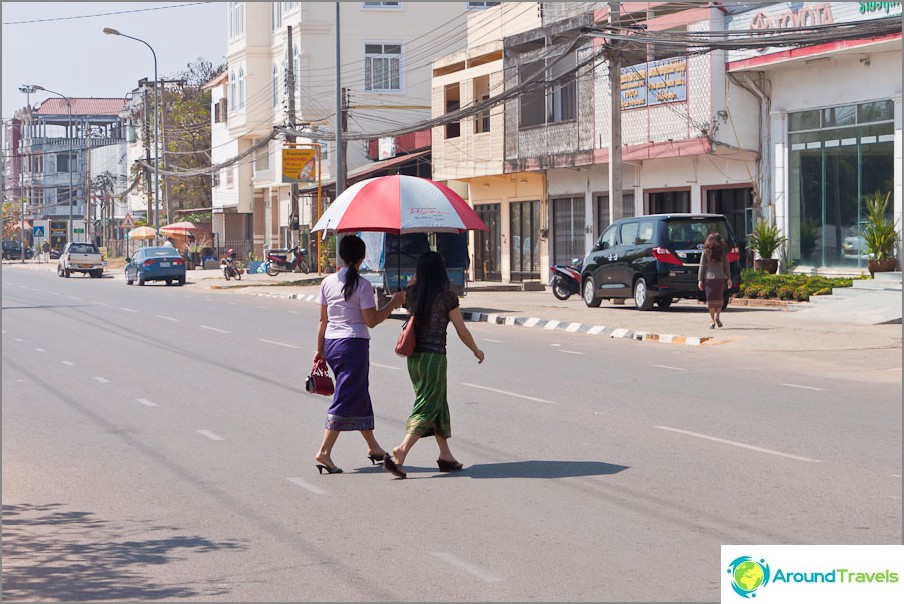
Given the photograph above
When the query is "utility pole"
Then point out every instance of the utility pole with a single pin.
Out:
(340, 114)
(615, 124)
(147, 147)
(86, 190)
(294, 218)
(166, 197)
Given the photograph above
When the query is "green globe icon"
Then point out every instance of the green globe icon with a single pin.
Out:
(748, 575)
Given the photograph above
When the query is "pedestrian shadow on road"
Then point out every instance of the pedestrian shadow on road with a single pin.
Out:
(538, 469)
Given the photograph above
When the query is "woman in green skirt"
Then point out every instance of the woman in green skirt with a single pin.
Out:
(433, 306)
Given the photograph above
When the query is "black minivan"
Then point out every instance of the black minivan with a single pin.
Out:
(654, 259)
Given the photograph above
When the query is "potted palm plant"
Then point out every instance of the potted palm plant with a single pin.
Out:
(765, 240)
(880, 237)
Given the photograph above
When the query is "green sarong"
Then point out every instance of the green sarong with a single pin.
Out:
(430, 415)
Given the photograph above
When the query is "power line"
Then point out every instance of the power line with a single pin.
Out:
(122, 12)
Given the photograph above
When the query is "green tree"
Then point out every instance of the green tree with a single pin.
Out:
(12, 220)
(188, 136)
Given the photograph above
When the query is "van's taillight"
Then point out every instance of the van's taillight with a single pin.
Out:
(665, 255)
(734, 255)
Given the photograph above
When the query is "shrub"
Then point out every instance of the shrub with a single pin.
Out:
(760, 284)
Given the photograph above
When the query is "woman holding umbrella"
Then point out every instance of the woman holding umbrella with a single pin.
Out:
(347, 311)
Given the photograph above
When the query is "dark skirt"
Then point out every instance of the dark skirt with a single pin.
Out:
(430, 416)
(349, 358)
(715, 292)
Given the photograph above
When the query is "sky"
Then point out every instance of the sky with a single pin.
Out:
(63, 47)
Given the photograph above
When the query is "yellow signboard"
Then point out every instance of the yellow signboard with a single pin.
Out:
(299, 165)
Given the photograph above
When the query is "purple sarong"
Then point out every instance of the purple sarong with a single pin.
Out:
(715, 292)
(349, 359)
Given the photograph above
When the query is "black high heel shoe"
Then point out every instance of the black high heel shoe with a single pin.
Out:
(329, 470)
(376, 459)
(448, 466)
(390, 466)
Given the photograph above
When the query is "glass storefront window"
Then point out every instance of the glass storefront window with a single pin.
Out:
(832, 170)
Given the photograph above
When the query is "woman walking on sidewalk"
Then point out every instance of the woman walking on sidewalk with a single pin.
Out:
(347, 311)
(433, 307)
(713, 276)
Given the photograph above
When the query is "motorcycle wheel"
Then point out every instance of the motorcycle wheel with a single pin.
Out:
(270, 270)
(238, 275)
(560, 291)
(226, 274)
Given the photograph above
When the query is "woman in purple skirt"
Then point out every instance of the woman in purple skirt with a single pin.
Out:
(347, 311)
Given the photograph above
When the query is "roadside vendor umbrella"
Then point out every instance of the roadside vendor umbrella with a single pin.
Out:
(142, 232)
(178, 228)
(399, 204)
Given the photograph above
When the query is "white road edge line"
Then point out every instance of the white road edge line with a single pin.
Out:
(127, 309)
(306, 485)
(737, 444)
(100, 303)
(494, 341)
(209, 435)
(571, 352)
(524, 396)
(213, 329)
(670, 367)
(146, 402)
(41, 349)
(467, 567)
(165, 317)
(804, 387)
(280, 343)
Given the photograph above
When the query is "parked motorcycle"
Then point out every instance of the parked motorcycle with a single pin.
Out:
(566, 279)
(230, 269)
(278, 261)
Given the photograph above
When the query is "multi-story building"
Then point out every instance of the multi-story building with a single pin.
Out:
(385, 53)
(55, 146)
(831, 121)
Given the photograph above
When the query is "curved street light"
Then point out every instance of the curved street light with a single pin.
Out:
(28, 90)
(115, 32)
(68, 155)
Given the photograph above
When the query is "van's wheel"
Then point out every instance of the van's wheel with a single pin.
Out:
(590, 297)
(642, 298)
(59, 271)
(664, 302)
(67, 273)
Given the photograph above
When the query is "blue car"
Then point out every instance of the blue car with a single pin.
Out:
(155, 264)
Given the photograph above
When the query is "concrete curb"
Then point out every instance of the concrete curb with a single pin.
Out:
(551, 324)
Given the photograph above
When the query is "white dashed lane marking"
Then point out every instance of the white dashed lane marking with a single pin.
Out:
(69, 363)
(471, 569)
(670, 367)
(40, 349)
(209, 435)
(306, 485)
(146, 402)
(165, 317)
(737, 444)
(102, 380)
(384, 366)
(127, 309)
(804, 387)
(571, 352)
(514, 394)
(213, 329)
(280, 343)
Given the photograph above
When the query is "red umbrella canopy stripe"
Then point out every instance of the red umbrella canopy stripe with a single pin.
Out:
(399, 204)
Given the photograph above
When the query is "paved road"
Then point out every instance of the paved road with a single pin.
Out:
(157, 444)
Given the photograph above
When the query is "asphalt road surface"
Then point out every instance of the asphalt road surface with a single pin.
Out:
(158, 444)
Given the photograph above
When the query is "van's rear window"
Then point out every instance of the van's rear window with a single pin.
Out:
(690, 233)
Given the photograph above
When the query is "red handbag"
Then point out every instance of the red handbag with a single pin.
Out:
(319, 382)
(405, 346)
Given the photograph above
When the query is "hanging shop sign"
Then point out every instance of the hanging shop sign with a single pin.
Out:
(299, 165)
(654, 83)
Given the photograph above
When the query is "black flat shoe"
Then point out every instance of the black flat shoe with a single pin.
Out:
(718, 322)
(329, 470)
(375, 459)
(448, 466)
(390, 466)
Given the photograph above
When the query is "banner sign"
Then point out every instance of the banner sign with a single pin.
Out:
(299, 165)
(654, 83)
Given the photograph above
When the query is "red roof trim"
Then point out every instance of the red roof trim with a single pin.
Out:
(809, 51)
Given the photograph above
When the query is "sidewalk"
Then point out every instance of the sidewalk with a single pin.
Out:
(686, 323)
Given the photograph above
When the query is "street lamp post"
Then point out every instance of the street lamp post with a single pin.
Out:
(68, 153)
(114, 32)
(27, 90)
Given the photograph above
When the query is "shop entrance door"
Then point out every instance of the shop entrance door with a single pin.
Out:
(488, 244)
(736, 205)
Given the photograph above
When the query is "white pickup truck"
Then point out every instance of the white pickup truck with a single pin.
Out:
(81, 258)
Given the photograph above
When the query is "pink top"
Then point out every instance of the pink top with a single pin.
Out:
(344, 316)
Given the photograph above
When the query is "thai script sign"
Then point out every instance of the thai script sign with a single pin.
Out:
(654, 83)
(889, 8)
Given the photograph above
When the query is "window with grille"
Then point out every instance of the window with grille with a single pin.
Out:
(482, 93)
(382, 5)
(479, 5)
(382, 66)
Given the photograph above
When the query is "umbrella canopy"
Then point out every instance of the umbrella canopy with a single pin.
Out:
(142, 232)
(399, 204)
(178, 228)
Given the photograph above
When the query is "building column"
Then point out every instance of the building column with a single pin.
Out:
(899, 158)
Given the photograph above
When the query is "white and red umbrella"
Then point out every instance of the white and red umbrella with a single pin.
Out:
(178, 228)
(399, 204)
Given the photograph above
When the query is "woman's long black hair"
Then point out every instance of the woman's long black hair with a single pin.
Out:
(431, 280)
(351, 250)
(715, 245)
